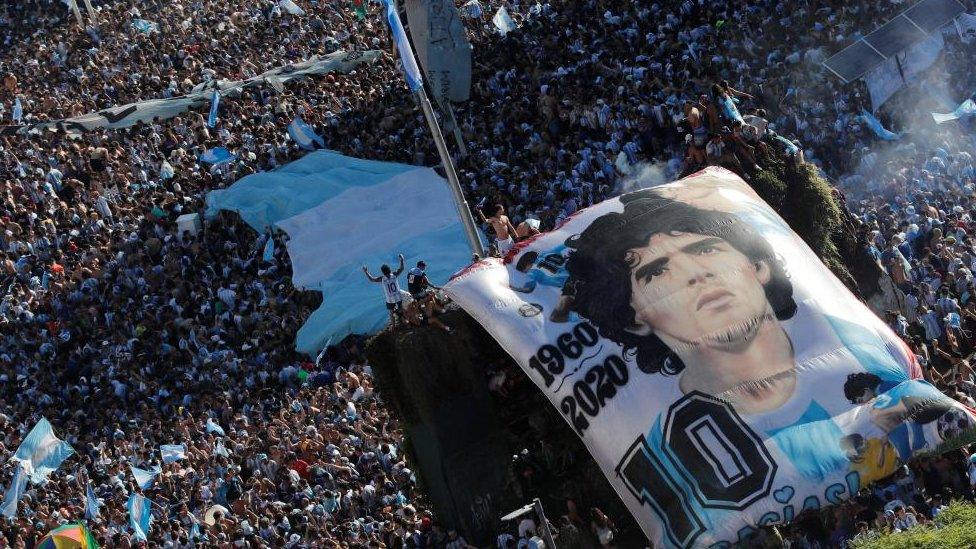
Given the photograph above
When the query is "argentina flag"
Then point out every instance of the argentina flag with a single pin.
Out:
(341, 212)
(410, 69)
(91, 503)
(14, 492)
(140, 515)
(304, 135)
(217, 156)
(214, 105)
(42, 452)
(172, 452)
(144, 477)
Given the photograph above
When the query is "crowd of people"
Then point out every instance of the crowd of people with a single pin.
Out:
(128, 332)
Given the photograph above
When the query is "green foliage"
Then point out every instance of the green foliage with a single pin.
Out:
(804, 199)
(956, 528)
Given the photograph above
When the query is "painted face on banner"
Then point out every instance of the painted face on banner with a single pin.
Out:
(692, 288)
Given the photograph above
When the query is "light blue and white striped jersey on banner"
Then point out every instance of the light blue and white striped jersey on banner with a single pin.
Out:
(340, 213)
(303, 134)
(172, 452)
(140, 515)
(91, 503)
(214, 105)
(410, 69)
(144, 477)
(14, 492)
(42, 451)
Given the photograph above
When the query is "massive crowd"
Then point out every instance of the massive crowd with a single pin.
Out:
(127, 332)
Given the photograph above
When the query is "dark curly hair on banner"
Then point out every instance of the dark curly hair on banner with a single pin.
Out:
(600, 268)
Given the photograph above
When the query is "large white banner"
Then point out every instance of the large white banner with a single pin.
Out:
(124, 116)
(720, 375)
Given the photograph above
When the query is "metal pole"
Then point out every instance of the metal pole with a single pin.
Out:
(544, 525)
(474, 240)
(74, 8)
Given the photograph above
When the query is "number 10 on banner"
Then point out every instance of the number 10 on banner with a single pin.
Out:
(721, 462)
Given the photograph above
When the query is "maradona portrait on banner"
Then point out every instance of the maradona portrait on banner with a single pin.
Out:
(716, 370)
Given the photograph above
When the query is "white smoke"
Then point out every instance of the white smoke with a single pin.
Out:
(644, 176)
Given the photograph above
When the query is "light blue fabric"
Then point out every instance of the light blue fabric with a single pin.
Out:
(269, 248)
(140, 515)
(965, 110)
(172, 452)
(341, 213)
(303, 134)
(42, 451)
(91, 503)
(144, 477)
(217, 156)
(811, 444)
(18, 113)
(214, 105)
(410, 69)
(14, 492)
(212, 427)
(872, 122)
(265, 198)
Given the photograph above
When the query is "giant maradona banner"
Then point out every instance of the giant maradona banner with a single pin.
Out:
(720, 375)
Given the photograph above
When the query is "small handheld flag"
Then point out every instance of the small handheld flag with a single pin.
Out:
(214, 105)
(18, 113)
(140, 515)
(91, 503)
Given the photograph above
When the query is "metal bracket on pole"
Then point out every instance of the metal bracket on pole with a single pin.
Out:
(464, 212)
(544, 525)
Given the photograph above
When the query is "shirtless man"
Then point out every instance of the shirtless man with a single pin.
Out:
(503, 228)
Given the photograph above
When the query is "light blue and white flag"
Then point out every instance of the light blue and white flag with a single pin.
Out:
(304, 135)
(14, 492)
(144, 477)
(729, 109)
(965, 110)
(140, 515)
(212, 427)
(214, 105)
(269, 248)
(145, 27)
(410, 69)
(18, 113)
(172, 452)
(291, 7)
(340, 213)
(217, 156)
(883, 133)
(166, 171)
(42, 452)
(503, 21)
(472, 9)
(220, 449)
(91, 503)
